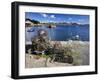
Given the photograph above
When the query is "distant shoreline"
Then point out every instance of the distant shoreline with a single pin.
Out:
(46, 25)
(30, 23)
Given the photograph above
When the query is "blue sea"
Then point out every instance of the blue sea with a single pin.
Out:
(60, 32)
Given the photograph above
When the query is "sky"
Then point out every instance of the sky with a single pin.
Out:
(56, 17)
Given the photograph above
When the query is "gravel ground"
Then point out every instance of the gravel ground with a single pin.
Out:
(33, 62)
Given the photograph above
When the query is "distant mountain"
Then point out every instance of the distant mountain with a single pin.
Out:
(32, 21)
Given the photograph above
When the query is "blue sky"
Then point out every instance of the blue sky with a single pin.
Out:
(54, 17)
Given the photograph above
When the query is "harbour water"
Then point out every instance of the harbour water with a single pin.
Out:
(60, 32)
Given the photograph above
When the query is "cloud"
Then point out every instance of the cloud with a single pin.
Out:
(48, 16)
(50, 21)
(44, 15)
(52, 16)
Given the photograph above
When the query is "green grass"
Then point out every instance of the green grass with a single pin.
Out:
(43, 56)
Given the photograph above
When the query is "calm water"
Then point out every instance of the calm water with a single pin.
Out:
(61, 33)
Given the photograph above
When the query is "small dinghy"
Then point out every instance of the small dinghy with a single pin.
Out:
(30, 30)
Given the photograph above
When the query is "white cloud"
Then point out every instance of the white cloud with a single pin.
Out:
(47, 16)
(52, 16)
(44, 15)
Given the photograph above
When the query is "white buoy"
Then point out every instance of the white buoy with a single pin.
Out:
(77, 36)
